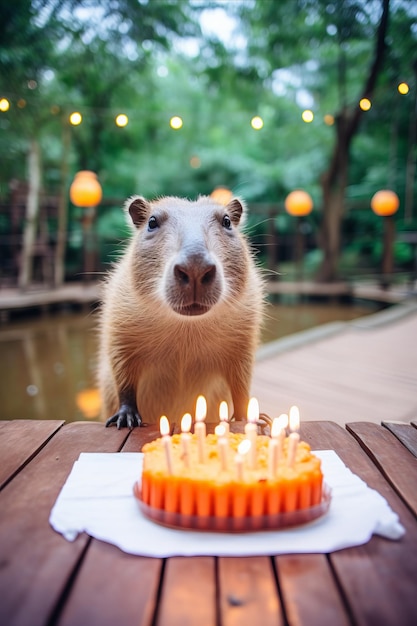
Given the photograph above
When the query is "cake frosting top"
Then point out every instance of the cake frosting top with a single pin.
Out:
(213, 470)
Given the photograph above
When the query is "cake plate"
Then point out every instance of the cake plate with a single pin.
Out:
(229, 524)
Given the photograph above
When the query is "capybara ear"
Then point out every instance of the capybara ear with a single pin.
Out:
(236, 210)
(139, 209)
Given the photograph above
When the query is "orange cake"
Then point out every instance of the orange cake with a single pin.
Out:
(229, 485)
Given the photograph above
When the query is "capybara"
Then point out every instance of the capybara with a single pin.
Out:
(181, 313)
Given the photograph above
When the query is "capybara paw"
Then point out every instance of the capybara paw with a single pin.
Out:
(126, 417)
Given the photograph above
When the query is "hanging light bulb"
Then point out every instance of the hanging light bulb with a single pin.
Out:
(176, 122)
(257, 122)
(4, 105)
(403, 89)
(75, 118)
(365, 104)
(121, 120)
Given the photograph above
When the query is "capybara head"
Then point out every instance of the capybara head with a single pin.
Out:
(187, 255)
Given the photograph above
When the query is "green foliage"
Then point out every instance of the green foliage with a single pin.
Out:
(133, 57)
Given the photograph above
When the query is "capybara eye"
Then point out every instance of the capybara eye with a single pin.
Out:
(152, 223)
(227, 222)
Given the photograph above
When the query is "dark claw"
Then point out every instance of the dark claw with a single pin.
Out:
(264, 419)
(126, 417)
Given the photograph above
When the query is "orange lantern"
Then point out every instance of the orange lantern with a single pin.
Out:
(385, 202)
(89, 402)
(222, 195)
(85, 190)
(298, 203)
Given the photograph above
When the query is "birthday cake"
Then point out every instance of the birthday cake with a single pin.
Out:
(218, 479)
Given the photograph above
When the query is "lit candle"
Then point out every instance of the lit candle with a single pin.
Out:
(283, 420)
(293, 440)
(275, 447)
(242, 449)
(166, 442)
(200, 427)
(251, 429)
(224, 416)
(282, 423)
(222, 445)
(276, 428)
(186, 438)
(272, 457)
(294, 420)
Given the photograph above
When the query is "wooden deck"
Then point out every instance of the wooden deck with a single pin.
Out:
(43, 298)
(89, 293)
(362, 370)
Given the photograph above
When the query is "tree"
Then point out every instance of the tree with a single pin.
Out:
(334, 180)
(90, 59)
(24, 53)
(126, 58)
(342, 45)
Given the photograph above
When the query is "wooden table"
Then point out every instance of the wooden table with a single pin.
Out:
(46, 580)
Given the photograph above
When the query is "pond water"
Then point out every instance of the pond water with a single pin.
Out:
(47, 364)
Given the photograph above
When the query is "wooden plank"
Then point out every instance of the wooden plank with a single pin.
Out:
(398, 465)
(37, 561)
(139, 436)
(378, 578)
(20, 440)
(106, 573)
(309, 591)
(404, 433)
(188, 592)
(248, 592)
(112, 588)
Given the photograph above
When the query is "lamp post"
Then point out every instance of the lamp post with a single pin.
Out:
(85, 192)
(385, 203)
(299, 204)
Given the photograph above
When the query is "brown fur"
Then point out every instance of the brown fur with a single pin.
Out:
(151, 352)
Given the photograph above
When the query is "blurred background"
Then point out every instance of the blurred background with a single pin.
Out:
(306, 109)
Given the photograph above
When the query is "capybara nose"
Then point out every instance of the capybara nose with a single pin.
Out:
(195, 274)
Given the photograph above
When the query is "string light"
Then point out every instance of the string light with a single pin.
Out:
(176, 122)
(257, 122)
(4, 105)
(75, 118)
(403, 89)
(365, 104)
(121, 120)
(307, 116)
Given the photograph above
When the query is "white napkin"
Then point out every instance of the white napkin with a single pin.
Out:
(97, 498)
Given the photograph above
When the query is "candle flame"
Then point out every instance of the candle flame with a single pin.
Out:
(200, 409)
(294, 418)
(220, 430)
(276, 427)
(164, 426)
(223, 411)
(244, 447)
(253, 410)
(283, 420)
(186, 423)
